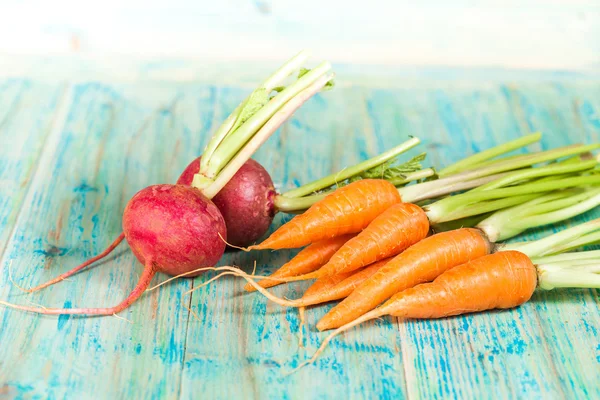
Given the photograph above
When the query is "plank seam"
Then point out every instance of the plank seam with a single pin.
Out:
(187, 323)
(49, 146)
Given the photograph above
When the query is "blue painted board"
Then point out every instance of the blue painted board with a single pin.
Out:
(27, 113)
(110, 139)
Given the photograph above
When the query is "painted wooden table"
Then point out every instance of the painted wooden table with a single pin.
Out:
(73, 152)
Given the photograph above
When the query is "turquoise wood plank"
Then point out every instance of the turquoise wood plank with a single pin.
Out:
(114, 140)
(27, 111)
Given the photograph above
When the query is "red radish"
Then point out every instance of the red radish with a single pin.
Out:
(175, 228)
(229, 149)
(170, 228)
(246, 202)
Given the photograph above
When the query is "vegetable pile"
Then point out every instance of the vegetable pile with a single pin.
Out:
(394, 257)
(385, 237)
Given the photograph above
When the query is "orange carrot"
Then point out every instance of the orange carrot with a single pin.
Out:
(323, 290)
(501, 280)
(420, 263)
(308, 260)
(394, 230)
(347, 210)
(339, 286)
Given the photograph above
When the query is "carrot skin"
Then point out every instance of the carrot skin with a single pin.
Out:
(347, 210)
(422, 262)
(394, 230)
(339, 286)
(501, 280)
(397, 228)
(308, 260)
(325, 284)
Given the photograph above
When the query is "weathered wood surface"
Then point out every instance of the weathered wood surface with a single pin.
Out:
(91, 146)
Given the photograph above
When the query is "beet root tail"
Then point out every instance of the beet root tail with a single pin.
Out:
(78, 268)
(140, 288)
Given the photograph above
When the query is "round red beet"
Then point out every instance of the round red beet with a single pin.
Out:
(246, 202)
(175, 228)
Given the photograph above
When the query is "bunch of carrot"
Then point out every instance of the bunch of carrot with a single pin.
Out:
(369, 244)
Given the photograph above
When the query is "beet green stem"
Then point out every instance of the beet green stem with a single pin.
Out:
(274, 80)
(234, 141)
(261, 136)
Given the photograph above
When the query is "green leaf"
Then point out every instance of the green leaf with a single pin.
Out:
(257, 100)
(387, 171)
(383, 171)
(302, 72)
(329, 85)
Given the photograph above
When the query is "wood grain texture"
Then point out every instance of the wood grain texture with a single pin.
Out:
(27, 112)
(117, 138)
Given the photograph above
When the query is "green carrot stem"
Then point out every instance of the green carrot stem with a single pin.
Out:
(548, 245)
(467, 222)
(590, 264)
(409, 195)
(274, 80)
(286, 204)
(417, 191)
(293, 205)
(412, 176)
(438, 211)
(586, 240)
(484, 207)
(518, 211)
(512, 222)
(552, 276)
(553, 217)
(530, 173)
(234, 141)
(347, 173)
(477, 159)
(520, 156)
(567, 257)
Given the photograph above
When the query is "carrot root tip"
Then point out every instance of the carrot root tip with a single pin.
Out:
(245, 249)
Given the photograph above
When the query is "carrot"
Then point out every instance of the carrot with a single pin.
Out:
(420, 263)
(308, 260)
(396, 229)
(501, 280)
(351, 208)
(339, 286)
(423, 263)
(326, 289)
(347, 210)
